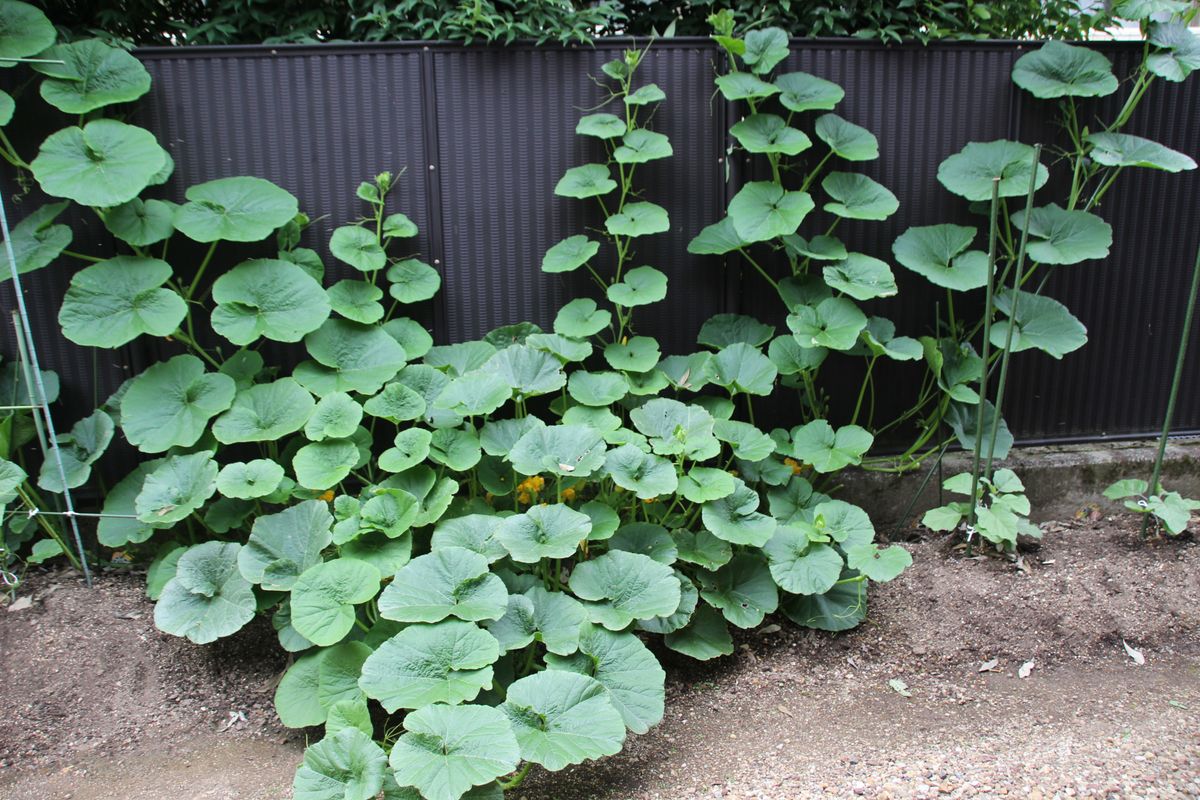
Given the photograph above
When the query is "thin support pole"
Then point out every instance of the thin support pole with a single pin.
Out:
(29, 354)
(1184, 335)
(989, 302)
(1012, 309)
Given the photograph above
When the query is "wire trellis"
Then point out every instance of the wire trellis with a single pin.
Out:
(43, 420)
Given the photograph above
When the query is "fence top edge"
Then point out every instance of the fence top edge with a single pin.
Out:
(611, 44)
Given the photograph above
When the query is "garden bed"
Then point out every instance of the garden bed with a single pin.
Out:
(102, 705)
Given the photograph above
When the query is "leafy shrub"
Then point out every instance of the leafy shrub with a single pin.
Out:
(239, 22)
(462, 542)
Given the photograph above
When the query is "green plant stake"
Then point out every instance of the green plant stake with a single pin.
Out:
(988, 311)
(1184, 335)
(1016, 294)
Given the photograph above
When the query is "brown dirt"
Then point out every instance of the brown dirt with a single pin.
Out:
(101, 706)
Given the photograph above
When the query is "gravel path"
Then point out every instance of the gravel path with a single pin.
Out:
(100, 706)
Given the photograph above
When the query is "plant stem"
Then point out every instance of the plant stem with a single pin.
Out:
(1012, 311)
(517, 779)
(988, 307)
(212, 248)
(1156, 475)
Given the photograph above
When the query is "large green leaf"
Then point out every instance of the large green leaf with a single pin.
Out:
(105, 163)
(1126, 150)
(476, 393)
(336, 416)
(878, 564)
(639, 287)
(119, 526)
(284, 545)
(581, 318)
(702, 548)
(800, 566)
(936, 253)
(92, 75)
(397, 403)
(24, 31)
(847, 140)
(716, 239)
(475, 532)
(599, 389)
(742, 368)
(250, 480)
(566, 450)
(324, 596)
(799, 91)
(1058, 236)
(1042, 323)
(170, 404)
(856, 196)
(36, 241)
(413, 281)
(747, 442)
(320, 465)
(589, 180)
(839, 609)
(176, 488)
(265, 412)
(726, 329)
(625, 667)
(449, 749)
(241, 209)
(79, 448)
(963, 420)
(207, 598)
(141, 222)
(356, 358)
(817, 444)
(448, 662)
(113, 302)
(640, 146)
(636, 354)
(530, 372)
(602, 126)
(644, 474)
(834, 323)
(762, 210)
(270, 298)
(765, 47)
(1057, 69)
(650, 93)
(1179, 50)
(451, 581)
(627, 586)
(638, 219)
(735, 518)
(744, 86)
(346, 765)
(569, 254)
(970, 172)
(562, 718)
(705, 637)
(743, 590)
(675, 428)
(358, 247)
(861, 276)
(550, 531)
(768, 133)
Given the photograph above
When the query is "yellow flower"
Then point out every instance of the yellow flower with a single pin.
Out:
(733, 472)
(649, 500)
(568, 494)
(523, 497)
(326, 495)
(796, 468)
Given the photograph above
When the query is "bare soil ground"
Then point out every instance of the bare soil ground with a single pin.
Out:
(95, 704)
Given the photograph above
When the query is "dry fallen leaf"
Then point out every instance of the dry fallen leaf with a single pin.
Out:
(899, 687)
(990, 666)
(1025, 669)
(21, 603)
(1134, 653)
